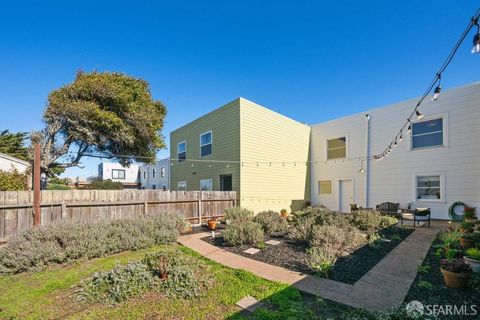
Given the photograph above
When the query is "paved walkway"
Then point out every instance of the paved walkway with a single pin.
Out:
(384, 286)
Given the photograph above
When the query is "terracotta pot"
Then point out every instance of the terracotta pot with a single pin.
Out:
(284, 214)
(212, 224)
(466, 243)
(455, 280)
(474, 264)
(462, 230)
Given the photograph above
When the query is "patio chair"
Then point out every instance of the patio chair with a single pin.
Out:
(389, 208)
(417, 215)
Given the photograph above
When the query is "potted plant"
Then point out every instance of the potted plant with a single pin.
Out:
(212, 223)
(469, 240)
(456, 273)
(466, 227)
(472, 257)
(469, 214)
(284, 213)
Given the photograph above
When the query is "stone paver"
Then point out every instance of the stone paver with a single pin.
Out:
(252, 250)
(249, 303)
(382, 287)
(272, 242)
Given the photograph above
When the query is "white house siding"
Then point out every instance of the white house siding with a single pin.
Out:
(105, 172)
(393, 179)
(7, 163)
(147, 179)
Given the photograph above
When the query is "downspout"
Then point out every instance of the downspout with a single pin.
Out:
(367, 160)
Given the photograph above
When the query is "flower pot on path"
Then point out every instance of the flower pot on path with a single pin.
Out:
(212, 224)
(456, 280)
(466, 243)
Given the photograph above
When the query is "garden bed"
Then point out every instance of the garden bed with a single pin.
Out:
(292, 254)
(429, 287)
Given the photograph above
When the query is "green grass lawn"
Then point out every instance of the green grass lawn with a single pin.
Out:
(50, 294)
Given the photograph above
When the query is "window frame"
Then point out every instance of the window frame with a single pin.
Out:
(201, 145)
(163, 172)
(211, 183)
(346, 147)
(119, 170)
(331, 187)
(178, 153)
(154, 173)
(181, 182)
(444, 117)
(441, 176)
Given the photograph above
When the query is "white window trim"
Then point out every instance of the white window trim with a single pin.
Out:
(120, 170)
(163, 172)
(347, 143)
(443, 198)
(201, 145)
(178, 158)
(181, 182)
(444, 117)
(211, 182)
(331, 188)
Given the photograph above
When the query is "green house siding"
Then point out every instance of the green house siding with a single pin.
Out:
(224, 123)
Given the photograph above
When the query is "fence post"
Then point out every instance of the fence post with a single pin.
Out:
(145, 208)
(64, 210)
(199, 203)
(37, 218)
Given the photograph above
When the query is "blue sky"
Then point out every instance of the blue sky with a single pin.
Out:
(310, 60)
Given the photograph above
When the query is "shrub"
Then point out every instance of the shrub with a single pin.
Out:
(387, 221)
(473, 253)
(272, 223)
(38, 247)
(117, 284)
(302, 227)
(425, 284)
(450, 238)
(374, 240)
(99, 184)
(243, 232)
(236, 213)
(365, 220)
(321, 260)
(469, 212)
(168, 271)
(13, 180)
(335, 239)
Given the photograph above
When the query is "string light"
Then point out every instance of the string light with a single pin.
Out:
(401, 136)
(435, 84)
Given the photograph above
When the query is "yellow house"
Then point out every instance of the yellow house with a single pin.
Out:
(247, 148)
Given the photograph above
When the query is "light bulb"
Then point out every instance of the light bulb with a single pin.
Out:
(436, 93)
(401, 137)
(420, 116)
(476, 43)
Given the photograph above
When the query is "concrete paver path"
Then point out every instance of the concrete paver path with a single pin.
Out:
(382, 287)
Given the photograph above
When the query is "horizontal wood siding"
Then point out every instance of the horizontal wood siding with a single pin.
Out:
(225, 126)
(267, 136)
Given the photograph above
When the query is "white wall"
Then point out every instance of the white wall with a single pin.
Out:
(393, 179)
(7, 163)
(158, 182)
(105, 172)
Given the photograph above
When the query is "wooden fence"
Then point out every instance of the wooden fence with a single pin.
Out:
(16, 207)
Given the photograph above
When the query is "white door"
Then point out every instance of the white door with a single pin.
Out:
(345, 195)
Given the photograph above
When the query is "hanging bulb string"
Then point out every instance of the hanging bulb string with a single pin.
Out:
(438, 75)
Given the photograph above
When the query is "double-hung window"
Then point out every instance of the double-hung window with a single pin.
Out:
(182, 151)
(118, 174)
(337, 148)
(154, 173)
(428, 187)
(206, 185)
(427, 133)
(182, 185)
(206, 144)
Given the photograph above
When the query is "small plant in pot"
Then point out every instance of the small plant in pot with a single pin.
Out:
(469, 214)
(212, 223)
(456, 273)
(284, 213)
(469, 240)
(472, 257)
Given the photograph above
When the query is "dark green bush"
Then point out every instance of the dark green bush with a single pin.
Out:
(365, 220)
(13, 181)
(99, 184)
(38, 247)
(272, 223)
(242, 232)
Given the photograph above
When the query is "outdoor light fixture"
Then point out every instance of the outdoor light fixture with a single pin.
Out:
(420, 116)
(401, 137)
(436, 93)
(395, 144)
(367, 116)
(409, 129)
(476, 38)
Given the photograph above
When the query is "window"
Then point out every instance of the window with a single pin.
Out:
(206, 185)
(325, 187)
(144, 174)
(164, 188)
(182, 186)
(206, 144)
(427, 133)
(154, 187)
(162, 172)
(154, 173)
(118, 174)
(337, 148)
(182, 151)
(428, 188)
